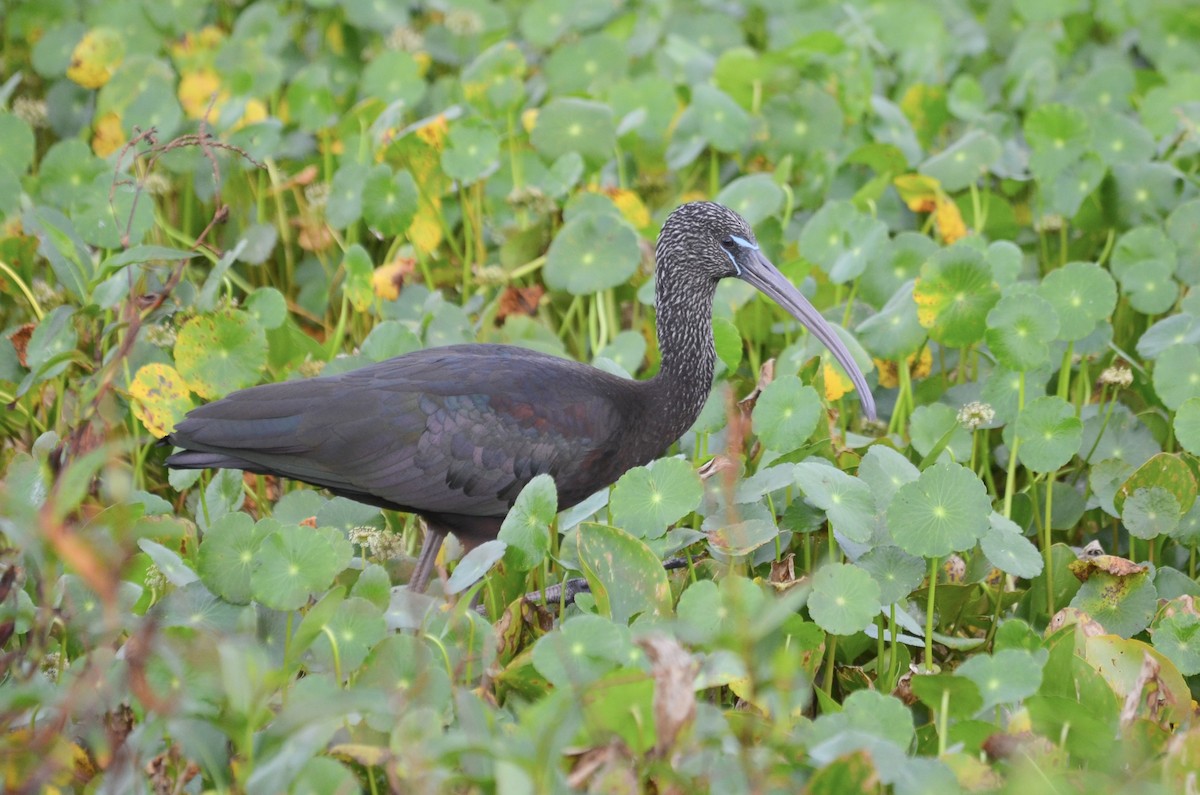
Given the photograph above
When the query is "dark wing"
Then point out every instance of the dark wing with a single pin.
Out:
(457, 430)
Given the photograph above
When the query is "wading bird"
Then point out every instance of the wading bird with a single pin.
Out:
(453, 434)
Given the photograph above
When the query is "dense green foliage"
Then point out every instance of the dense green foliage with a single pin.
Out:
(993, 587)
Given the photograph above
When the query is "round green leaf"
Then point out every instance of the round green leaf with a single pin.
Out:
(493, 81)
(755, 197)
(959, 694)
(268, 306)
(722, 121)
(954, 295)
(226, 557)
(407, 666)
(895, 332)
(1123, 604)
(1064, 193)
(842, 240)
(587, 66)
(805, 120)
(292, 563)
(1182, 329)
(1118, 138)
(898, 262)
(393, 76)
(192, 606)
(593, 251)
(1083, 294)
(1187, 425)
(1050, 434)
(582, 650)
(646, 500)
(575, 125)
(885, 470)
(945, 510)
(1010, 551)
(352, 631)
(896, 572)
(963, 162)
(1177, 375)
(727, 339)
(846, 500)
(1020, 330)
(472, 152)
(786, 414)
(1151, 512)
(1183, 227)
(311, 103)
(931, 423)
(1140, 249)
(345, 203)
(221, 352)
(1177, 636)
(1005, 677)
(390, 201)
(844, 599)
(527, 527)
(1058, 135)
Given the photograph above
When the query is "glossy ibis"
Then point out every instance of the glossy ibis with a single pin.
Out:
(454, 433)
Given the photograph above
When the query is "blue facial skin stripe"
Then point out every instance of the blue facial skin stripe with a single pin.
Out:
(736, 268)
(744, 243)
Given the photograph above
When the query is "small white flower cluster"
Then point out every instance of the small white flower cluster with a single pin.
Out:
(161, 335)
(156, 184)
(380, 544)
(532, 199)
(317, 195)
(975, 415)
(1118, 374)
(155, 580)
(52, 665)
(491, 275)
(31, 111)
(464, 22)
(405, 39)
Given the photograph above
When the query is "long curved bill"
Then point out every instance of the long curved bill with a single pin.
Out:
(767, 278)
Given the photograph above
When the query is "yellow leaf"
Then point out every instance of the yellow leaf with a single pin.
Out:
(926, 306)
(425, 232)
(529, 119)
(949, 221)
(255, 112)
(196, 89)
(96, 57)
(107, 135)
(836, 384)
(386, 279)
(629, 203)
(160, 398)
(434, 133)
(920, 368)
(918, 191)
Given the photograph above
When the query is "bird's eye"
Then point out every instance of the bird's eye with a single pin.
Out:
(729, 244)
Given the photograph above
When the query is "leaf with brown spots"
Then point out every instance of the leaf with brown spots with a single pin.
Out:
(20, 341)
(674, 671)
(160, 398)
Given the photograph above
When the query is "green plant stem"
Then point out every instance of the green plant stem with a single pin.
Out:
(1064, 372)
(894, 651)
(24, 288)
(943, 721)
(933, 572)
(1046, 542)
(1010, 482)
(830, 652)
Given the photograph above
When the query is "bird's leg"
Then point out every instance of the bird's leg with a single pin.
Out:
(434, 536)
